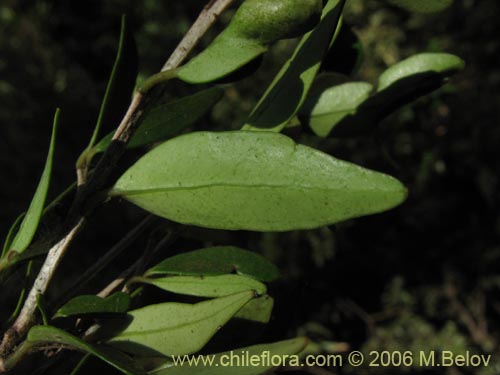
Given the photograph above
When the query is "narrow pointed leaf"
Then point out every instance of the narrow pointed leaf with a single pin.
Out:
(221, 364)
(12, 233)
(176, 328)
(168, 119)
(32, 218)
(121, 82)
(218, 260)
(253, 180)
(51, 335)
(258, 310)
(286, 94)
(422, 6)
(90, 304)
(35, 249)
(323, 112)
(206, 286)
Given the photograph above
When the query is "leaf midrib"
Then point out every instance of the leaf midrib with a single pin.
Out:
(197, 187)
(158, 330)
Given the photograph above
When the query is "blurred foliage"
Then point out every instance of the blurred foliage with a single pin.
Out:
(424, 276)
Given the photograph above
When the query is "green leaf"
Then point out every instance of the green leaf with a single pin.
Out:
(422, 6)
(399, 85)
(168, 119)
(206, 286)
(258, 310)
(12, 233)
(443, 64)
(90, 304)
(324, 111)
(35, 249)
(121, 82)
(40, 335)
(240, 364)
(218, 260)
(253, 180)
(286, 94)
(32, 218)
(176, 328)
(256, 25)
(217, 62)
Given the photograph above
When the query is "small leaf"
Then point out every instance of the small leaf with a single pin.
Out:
(241, 365)
(399, 85)
(90, 304)
(422, 6)
(176, 328)
(253, 180)
(256, 25)
(323, 112)
(441, 63)
(218, 260)
(12, 233)
(286, 94)
(258, 310)
(37, 248)
(32, 218)
(168, 119)
(40, 335)
(216, 62)
(206, 286)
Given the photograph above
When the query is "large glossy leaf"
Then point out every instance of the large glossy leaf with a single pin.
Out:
(256, 25)
(177, 328)
(259, 309)
(40, 335)
(253, 180)
(286, 94)
(422, 6)
(222, 364)
(90, 304)
(120, 84)
(399, 85)
(218, 260)
(206, 286)
(170, 118)
(324, 111)
(30, 222)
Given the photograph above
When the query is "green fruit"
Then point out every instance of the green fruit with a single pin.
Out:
(269, 20)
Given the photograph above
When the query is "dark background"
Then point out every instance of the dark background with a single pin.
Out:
(423, 276)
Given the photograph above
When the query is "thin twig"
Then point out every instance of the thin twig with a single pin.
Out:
(122, 280)
(26, 316)
(205, 20)
(115, 284)
(115, 251)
